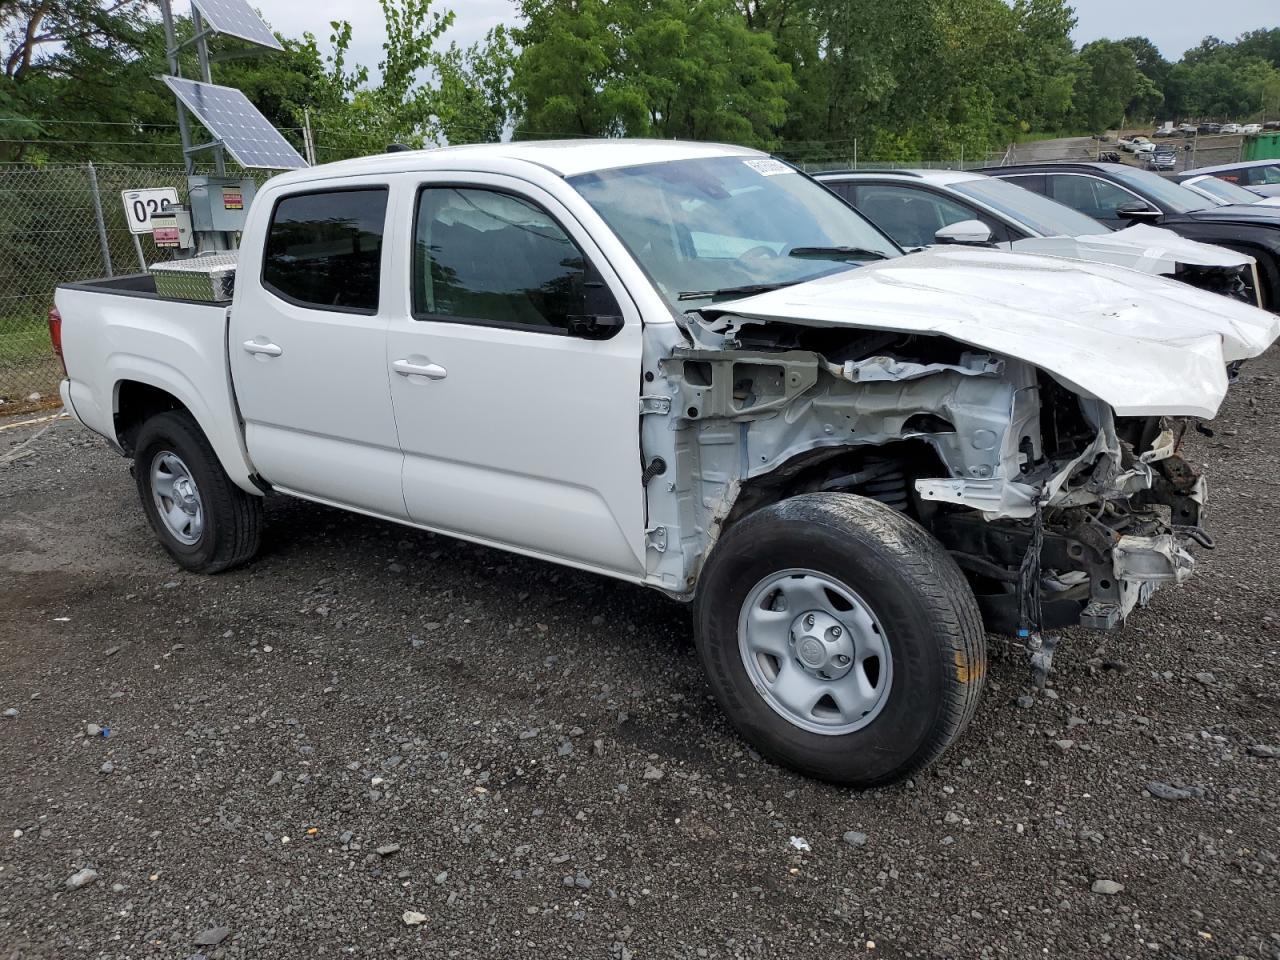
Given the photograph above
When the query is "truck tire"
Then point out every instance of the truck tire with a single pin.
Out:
(840, 638)
(205, 521)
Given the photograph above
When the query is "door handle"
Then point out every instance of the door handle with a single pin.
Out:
(261, 348)
(432, 371)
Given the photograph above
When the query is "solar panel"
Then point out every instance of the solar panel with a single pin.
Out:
(236, 18)
(233, 120)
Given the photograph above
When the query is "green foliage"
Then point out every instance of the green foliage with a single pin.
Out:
(665, 68)
(1109, 81)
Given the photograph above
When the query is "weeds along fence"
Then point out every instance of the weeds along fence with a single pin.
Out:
(61, 224)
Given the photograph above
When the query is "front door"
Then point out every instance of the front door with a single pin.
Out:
(308, 343)
(516, 377)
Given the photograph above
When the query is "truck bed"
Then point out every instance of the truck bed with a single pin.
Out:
(118, 333)
(132, 285)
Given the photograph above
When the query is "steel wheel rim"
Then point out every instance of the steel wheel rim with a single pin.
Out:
(177, 498)
(815, 651)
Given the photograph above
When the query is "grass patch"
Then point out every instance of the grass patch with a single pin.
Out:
(24, 338)
(27, 363)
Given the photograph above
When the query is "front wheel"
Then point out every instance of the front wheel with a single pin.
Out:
(840, 638)
(205, 521)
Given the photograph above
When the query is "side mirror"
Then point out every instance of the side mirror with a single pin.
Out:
(601, 317)
(1136, 211)
(972, 232)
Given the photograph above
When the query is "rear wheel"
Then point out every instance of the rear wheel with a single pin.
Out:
(840, 638)
(205, 521)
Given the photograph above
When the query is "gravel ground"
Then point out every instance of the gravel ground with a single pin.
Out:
(377, 742)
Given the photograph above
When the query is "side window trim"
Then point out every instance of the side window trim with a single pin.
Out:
(592, 274)
(279, 294)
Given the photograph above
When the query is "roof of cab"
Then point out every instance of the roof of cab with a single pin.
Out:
(566, 158)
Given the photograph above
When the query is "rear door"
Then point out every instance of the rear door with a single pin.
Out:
(308, 342)
(519, 426)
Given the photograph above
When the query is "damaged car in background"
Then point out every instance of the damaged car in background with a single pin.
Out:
(690, 367)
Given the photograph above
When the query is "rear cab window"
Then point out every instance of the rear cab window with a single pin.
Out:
(324, 249)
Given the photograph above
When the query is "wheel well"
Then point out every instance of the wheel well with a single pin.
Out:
(136, 403)
(883, 473)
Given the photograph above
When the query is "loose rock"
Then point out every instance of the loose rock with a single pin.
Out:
(82, 878)
(211, 937)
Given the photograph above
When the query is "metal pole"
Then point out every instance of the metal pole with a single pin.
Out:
(171, 50)
(97, 215)
(202, 54)
(308, 138)
(137, 246)
(855, 153)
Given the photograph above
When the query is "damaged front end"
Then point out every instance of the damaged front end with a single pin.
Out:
(1112, 505)
(1058, 512)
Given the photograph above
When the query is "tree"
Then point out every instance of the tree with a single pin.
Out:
(672, 68)
(473, 101)
(1109, 81)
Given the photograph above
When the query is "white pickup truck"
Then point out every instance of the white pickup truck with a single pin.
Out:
(687, 366)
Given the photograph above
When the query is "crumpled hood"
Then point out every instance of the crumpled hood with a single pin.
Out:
(1140, 247)
(1143, 344)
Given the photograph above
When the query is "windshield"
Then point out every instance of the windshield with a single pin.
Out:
(1048, 218)
(1226, 192)
(706, 226)
(1171, 197)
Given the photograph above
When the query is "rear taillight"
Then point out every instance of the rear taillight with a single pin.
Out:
(55, 336)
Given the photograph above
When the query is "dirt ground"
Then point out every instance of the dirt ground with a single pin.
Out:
(370, 720)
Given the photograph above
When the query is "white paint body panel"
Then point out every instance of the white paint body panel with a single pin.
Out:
(174, 346)
(318, 417)
(531, 439)
(1145, 345)
(1147, 249)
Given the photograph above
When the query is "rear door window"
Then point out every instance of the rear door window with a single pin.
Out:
(324, 249)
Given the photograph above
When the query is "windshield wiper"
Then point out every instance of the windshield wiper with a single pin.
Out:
(742, 291)
(847, 253)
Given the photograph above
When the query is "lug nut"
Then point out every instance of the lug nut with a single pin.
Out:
(842, 660)
(808, 621)
(835, 632)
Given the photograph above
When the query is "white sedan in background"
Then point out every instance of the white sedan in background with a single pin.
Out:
(1223, 192)
(921, 208)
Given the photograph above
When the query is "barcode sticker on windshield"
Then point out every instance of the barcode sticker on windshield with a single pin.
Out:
(767, 166)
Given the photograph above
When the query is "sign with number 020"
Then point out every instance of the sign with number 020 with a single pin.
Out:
(141, 205)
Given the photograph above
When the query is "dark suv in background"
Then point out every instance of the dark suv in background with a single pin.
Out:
(1120, 195)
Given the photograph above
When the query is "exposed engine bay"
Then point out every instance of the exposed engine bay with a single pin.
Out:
(1057, 511)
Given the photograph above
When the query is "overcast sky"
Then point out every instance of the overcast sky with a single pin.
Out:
(1174, 25)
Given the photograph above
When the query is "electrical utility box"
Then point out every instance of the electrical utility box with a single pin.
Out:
(171, 228)
(219, 204)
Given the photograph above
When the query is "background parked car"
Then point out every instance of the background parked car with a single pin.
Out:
(1222, 192)
(1162, 158)
(1209, 128)
(1249, 129)
(1258, 176)
(1119, 195)
(920, 208)
(1229, 128)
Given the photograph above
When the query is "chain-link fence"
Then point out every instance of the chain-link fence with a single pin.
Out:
(60, 224)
